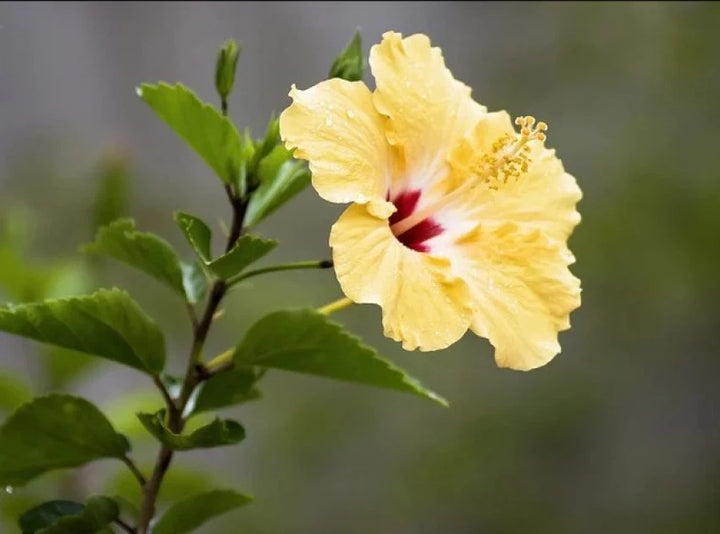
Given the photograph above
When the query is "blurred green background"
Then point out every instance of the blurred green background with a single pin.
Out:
(621, 432)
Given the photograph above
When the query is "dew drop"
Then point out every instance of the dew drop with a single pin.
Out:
(9, 490)
(350, 113)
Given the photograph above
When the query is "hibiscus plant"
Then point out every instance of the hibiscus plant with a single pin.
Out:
(458, 219)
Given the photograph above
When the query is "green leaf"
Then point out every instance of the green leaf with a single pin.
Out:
(190, 513)
(281, 178)
(264, 146)
(305, 341)
(197, 233)
(228, 388)
(194, 281)
(216, 434)
(13, 392)
(54, 432)
(68, 517)
(350, 64)
(107, 323)
(46, 514)
(212, 136)
(144, 251)
(247, 250)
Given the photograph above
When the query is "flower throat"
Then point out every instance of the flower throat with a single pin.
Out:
(510, 157)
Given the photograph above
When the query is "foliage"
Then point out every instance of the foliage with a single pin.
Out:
(53, 432)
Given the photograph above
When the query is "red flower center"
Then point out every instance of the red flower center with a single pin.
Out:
(415, 237)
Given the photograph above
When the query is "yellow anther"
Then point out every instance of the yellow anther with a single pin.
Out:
(509, 158)
(528, 132)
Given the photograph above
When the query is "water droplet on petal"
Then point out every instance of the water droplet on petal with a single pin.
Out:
(350, 113)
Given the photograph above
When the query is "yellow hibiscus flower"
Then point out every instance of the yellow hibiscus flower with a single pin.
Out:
(457, 221)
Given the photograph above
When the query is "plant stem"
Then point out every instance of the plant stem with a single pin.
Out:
(123, 525)
(313, 264)
(335, 306)
(163, 390)
(176, 409)
(135, 471)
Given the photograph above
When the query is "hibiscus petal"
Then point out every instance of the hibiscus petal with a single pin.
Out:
(423, 304)
(334, 126)
(429, 110)
(544, 197)
(522, 292)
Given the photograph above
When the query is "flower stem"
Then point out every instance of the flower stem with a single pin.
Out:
(313, 264)
(219, 361)
(335, 306)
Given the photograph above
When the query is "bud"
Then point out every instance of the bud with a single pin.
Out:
(225, 68)
(272, 138)
(350, 64)
(263, 147)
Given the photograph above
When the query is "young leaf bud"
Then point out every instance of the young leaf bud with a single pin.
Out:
(350, 64)
(225, 68)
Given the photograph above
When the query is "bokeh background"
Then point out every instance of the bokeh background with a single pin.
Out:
(621, 432)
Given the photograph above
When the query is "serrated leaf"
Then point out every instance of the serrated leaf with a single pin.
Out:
(14, 391)
(194, 281)
(190, 513)
(197, 233)
(54, 432)
(306, 341)
(247, 249)
(144, 251)
(107, 323)
(212, 136)
(47, 513)
(228, 388)
(281, 178)
(94, 518)
(216, 434)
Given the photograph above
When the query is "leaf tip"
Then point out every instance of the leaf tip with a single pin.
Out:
(442, 401)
